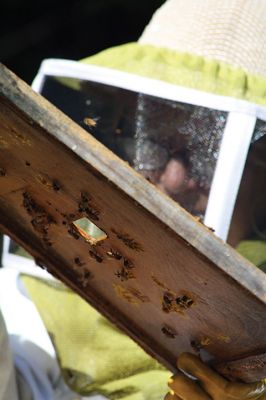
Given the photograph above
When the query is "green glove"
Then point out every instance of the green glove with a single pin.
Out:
(208, 384)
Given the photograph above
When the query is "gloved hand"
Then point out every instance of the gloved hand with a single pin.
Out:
(208, 384)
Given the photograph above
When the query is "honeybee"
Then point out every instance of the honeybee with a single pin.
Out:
(90, 122)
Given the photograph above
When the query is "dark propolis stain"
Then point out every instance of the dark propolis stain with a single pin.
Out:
(159, 283)
(131, 295)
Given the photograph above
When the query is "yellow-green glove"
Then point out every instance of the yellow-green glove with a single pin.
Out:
(208, 384)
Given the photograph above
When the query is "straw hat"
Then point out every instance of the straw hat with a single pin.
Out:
(231, 31)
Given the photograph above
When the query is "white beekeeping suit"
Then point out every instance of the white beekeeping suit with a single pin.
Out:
(22, 377)
(8, 386)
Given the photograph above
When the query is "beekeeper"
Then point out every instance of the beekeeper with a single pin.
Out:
(179, 46)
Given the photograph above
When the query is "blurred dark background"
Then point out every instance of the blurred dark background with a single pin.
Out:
(33, 30)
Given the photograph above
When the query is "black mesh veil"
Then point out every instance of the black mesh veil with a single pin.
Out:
(174, 145)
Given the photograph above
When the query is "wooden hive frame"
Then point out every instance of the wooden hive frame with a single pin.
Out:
(159, 274)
